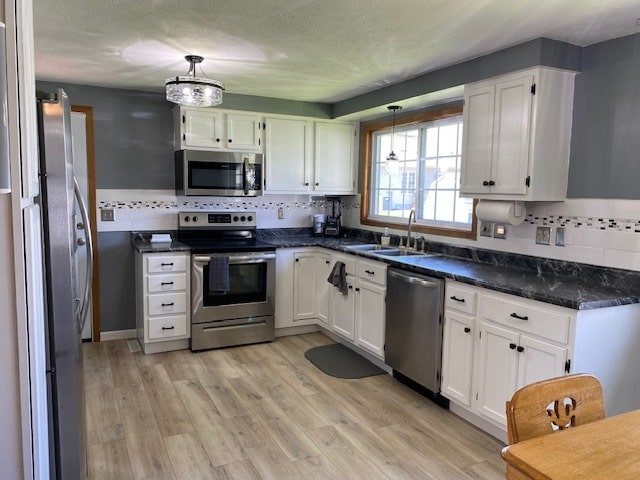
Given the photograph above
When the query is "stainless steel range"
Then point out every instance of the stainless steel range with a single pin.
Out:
(232, 279)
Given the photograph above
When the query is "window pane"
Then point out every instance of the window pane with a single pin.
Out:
(448, 140)
(432, 142)
(427, 181)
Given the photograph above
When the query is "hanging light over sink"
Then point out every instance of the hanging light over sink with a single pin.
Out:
(194, 91)
(392, 158)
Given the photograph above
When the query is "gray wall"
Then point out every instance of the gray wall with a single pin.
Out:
(605, 141)
(133, 135)
(117, 282)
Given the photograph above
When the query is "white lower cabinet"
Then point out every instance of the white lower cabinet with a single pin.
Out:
(343, 312)
(495, 343)
(370, 315)
(457, 357)
(322, 287)
(304, 290)
(305, 297)
(359, 315)
(162, 301)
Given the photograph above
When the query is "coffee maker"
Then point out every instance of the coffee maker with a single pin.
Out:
(332, 222)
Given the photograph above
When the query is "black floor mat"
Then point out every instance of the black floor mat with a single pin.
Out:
(342, 362)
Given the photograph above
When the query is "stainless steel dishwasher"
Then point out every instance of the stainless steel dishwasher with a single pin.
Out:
(413, 331)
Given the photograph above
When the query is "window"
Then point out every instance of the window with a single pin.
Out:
(426, 177)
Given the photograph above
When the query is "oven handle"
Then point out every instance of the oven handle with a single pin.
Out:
(256, 258)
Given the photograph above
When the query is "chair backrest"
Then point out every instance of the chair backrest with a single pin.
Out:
(555, 404)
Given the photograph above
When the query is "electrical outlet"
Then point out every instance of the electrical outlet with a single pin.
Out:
(280, 213)
(499, 230)
(107, 215)
(543, 235)
(486, 229)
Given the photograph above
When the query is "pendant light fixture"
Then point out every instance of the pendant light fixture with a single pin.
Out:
(392, 157)
(194, 91)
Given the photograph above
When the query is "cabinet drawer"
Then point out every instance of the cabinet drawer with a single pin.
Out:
(461, 299)
(349, 263)
(161, 328)
(374, 272)
(526, 317)
(167, 303)
(166, 283)
(166, 263)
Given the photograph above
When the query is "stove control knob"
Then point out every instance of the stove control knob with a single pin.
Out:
(235, 219)
(195, 219)
(250, 218)
(186, 219)
(243, 218)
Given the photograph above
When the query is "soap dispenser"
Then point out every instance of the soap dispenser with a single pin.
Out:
(385, 239)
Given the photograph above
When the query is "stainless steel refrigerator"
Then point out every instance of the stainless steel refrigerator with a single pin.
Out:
(67, 302)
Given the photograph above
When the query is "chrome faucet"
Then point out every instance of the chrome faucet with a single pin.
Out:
(411, 213)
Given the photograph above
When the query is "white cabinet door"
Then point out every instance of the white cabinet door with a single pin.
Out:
(511, 133)
(457, 357)
(334, 158)
(343, 310)
(287, 155)
(304, 298)
(322, 287)
(370, 316)
(538, 360)
(497, 370)
(202, 129)
(284, 287)
(243, 132)
(477, 139)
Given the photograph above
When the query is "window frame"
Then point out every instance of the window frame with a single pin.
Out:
(365, 210)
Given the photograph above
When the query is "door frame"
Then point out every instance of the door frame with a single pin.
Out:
(93, 220)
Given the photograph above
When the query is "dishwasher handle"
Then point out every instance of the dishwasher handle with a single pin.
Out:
(413, 280)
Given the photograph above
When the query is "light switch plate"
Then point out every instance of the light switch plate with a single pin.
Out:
(560, 237)
(543, 235)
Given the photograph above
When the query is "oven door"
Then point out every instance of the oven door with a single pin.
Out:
(251, 288)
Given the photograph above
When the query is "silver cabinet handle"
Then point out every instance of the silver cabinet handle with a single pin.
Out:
(81, 241)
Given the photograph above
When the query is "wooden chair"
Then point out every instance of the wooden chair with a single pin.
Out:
(556, 404)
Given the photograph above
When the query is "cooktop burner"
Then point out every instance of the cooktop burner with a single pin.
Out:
(221, 232)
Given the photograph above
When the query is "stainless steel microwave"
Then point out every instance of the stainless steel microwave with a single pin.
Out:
(223, 174)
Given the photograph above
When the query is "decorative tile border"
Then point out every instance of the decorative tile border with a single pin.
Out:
(590, 223)
(209, 204)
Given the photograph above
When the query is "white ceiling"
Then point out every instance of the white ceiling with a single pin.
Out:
(309, 50)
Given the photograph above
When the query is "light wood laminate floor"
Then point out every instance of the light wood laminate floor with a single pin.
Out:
(265, 412)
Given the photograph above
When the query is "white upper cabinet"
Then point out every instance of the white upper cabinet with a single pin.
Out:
(517, 132)
(310, 157)
(287, 155)
(335, 147)
(211, 129)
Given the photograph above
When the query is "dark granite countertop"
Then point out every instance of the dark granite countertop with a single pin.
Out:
(141, 242)
(567, 284)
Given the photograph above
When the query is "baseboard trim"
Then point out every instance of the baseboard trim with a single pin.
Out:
(297, 330)
(118, 335)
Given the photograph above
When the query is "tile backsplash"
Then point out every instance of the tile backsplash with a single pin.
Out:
(598, 232)
(143, 210)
